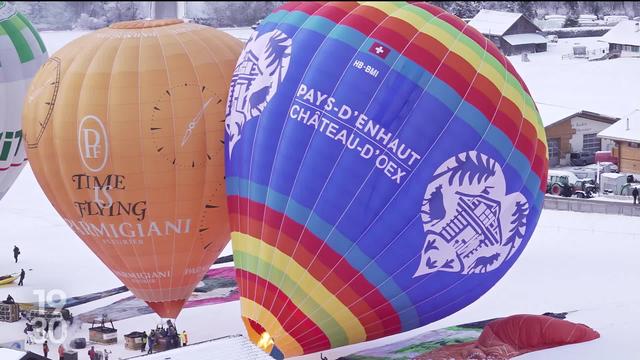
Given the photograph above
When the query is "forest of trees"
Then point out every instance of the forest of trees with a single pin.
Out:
(66, 15)
(87, 15)
(538, 9)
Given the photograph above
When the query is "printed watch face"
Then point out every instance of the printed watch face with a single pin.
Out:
(44, 97)
(177, 123)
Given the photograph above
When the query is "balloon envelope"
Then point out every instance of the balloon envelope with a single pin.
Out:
(386, 166)
(21, 54)
(124, 127)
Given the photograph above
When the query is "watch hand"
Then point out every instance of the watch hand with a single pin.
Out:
(194, 122)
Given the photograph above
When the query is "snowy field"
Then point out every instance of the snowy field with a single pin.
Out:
(575, 261)
(608, 87)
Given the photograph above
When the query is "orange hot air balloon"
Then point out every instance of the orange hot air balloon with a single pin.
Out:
(124, 130)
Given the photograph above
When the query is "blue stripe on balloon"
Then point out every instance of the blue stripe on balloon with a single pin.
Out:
(338, 243)
(320, 24)
(348, 35)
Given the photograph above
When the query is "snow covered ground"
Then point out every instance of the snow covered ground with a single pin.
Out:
(608, 87)
(575, 261)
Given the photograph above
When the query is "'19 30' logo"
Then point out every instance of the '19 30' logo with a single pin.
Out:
(93, 143)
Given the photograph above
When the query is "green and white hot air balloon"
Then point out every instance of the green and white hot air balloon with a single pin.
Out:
(21, 54)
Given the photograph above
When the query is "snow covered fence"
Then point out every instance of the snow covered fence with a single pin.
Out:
(591, 206)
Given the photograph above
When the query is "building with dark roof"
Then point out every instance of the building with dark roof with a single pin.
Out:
(512, 33)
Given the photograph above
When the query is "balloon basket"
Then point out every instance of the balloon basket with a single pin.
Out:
(102, 333)
(133, 341)
(9, 312)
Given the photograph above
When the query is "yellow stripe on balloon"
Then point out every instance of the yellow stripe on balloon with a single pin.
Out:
(310, 287)
(387, 7)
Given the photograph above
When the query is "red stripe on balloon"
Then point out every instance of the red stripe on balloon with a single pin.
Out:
(336, 11)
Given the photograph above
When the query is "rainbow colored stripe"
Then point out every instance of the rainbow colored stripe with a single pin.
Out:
(312, 308)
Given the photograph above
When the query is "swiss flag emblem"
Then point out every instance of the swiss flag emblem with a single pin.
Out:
(379, 50)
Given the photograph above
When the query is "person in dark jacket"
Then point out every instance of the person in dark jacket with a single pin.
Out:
(16, 252)
(635, 194)
(92, 353)
(45, 349)
(150, 341)
(22, 273)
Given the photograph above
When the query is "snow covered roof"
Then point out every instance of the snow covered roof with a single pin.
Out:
(552, 114)
(519, 39)
(491, 22)
(626, 129)
(626, 33)
(9, 354)
(235, 347)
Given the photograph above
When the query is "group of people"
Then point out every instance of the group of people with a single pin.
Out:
(175, 339)
(93, 354)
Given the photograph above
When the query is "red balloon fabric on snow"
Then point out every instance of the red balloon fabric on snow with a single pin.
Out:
(516, 335)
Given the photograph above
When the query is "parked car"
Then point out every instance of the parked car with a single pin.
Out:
(582, 158)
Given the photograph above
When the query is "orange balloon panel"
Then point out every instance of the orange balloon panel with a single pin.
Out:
(124, 130)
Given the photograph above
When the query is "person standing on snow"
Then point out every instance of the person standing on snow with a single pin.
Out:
(22, 273)
(28, 330)
(16, 252)
(61, 352)
(150, 341)
(184, 339)
(144, 341)
(106, 354)
(45, 349)
(635, 195)
(92, 353)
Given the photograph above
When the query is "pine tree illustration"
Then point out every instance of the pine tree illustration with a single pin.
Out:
(518, 225)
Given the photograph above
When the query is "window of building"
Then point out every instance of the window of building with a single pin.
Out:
(554, 148)
(634, 145)
(591, 143)
(631, 48)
